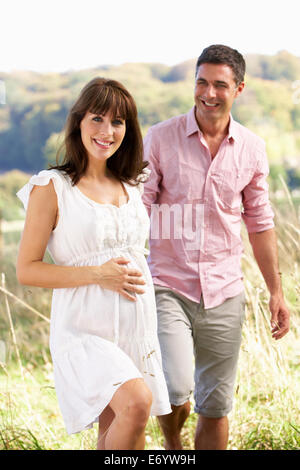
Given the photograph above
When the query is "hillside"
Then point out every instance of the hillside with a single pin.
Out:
(37, 105)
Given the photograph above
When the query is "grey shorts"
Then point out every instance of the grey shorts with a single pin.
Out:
(200, 349)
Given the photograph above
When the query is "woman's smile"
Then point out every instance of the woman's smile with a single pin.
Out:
(102, 143)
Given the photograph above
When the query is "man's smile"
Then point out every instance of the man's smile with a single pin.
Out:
(210, 105)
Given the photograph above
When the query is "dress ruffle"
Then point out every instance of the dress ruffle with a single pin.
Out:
(42, 179)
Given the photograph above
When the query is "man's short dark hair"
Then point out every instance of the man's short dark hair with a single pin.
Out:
(219, 54)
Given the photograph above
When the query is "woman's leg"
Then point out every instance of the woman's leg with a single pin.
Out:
(105, 419)
(126, 417)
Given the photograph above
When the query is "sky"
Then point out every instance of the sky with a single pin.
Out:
(62, 35)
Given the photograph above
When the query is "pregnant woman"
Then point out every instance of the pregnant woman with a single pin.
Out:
(88, 212)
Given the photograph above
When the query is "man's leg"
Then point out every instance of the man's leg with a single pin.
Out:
(217, 333)
(172, 424)
(176, 342)
(211, 433)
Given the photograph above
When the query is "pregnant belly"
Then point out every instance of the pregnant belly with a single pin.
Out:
(102, 312)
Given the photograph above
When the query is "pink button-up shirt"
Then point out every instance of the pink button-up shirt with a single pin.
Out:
(196, 204)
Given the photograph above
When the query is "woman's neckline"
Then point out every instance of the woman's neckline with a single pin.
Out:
(103, 204)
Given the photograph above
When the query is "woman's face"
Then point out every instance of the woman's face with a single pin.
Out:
(101, 134)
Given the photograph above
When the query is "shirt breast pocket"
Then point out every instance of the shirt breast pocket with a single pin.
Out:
(229, 184)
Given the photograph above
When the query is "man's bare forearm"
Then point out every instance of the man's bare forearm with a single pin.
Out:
(264, 245)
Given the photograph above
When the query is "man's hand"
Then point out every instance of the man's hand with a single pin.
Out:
(280, 316)
(264, 247)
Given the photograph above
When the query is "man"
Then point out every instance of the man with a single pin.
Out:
(204, 167)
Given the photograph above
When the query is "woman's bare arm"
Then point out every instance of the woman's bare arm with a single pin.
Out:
(32, 270)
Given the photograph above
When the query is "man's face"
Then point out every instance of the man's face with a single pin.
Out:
(215, 92)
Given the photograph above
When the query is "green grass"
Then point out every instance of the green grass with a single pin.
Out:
(267, 396)
(265, 414)
(266, 405)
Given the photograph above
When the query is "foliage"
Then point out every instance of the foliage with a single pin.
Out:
(10, 183)
(37, 104)
(282, 66)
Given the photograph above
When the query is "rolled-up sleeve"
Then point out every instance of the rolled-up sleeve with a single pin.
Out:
(151, 186)
(258, 214)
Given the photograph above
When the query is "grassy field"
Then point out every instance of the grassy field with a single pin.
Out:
(267, 396)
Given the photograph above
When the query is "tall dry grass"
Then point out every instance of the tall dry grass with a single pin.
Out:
(267, 396)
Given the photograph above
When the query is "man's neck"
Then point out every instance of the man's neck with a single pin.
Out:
(213, 128)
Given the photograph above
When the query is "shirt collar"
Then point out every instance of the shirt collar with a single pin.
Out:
(191, 123)
(192, 126)
(232, 129)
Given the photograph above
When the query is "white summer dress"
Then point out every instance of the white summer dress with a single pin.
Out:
(99, 339)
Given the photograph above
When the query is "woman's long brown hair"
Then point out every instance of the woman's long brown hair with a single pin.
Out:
(99, 96)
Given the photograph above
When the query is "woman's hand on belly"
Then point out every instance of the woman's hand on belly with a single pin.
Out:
(116, 276)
